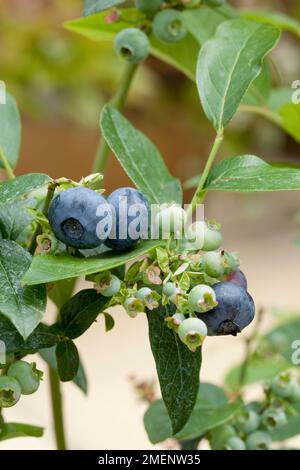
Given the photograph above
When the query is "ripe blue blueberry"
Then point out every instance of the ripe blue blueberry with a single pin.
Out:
(168, 26)
(201, 298)
(130, 216)
(238, 277)
(192, 333)
(258, 440)
(133, 45)
(148, 6)
(79, 218)
(27, 375)
(10, 391)
(235, 310)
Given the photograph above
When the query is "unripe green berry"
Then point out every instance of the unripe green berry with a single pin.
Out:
(212, 237)
(113, 287)
(195, 235)
(27, 375)
(283, 385)
(213, 264)
(220, 436)
(169, 289)
(10, 391)
(235, 443)
(148, 6)
(273, 418)
(258, 440)
(247, 421)
(168, 26)
(202, 298)
(171, 221)
(132, 44)
(148, 297)
(133, 306)
(175, 321)
(192, 333)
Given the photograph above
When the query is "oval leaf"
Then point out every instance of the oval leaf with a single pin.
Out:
(23, 306)
(251, 174)
(10, 130)
(50, 268)
(278, 19)
(140, 158)
(228, 63)
(67, 358)
(22, 185)
(177, 368)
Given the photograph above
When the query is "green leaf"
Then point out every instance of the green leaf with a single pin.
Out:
(258, 369)
(260, 89)
(67, 358)
(12, 430)
(203, 22)
(228, 63)
(290, 117)
(14, 218)
(177, 368)
(94, 6)
(41, 337)
(139, 158)
(22, 185)
(285, 334)
(278, 98)
(249, 173)
(211, 410)
(80, 378)
(50, 268)
(62, 291)
(278, 19)
(95, 28)
(24, 306)
(80, 312)
(10, 130)
(109, 322)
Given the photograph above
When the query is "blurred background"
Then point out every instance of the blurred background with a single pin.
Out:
(61, 81)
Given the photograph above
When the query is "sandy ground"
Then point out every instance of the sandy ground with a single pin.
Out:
(262, 229)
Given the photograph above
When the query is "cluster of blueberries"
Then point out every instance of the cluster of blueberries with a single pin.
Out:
(167, 24)
(251, 428)
(21, 378)
(219, 306)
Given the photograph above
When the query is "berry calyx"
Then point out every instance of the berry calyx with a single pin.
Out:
(175, 321)
(273, 418)
(109, 286)
(202, 298)
(27, 375)
(133, 306)
(148, 297)
(192, 333)
(284, 385)
(10, 391)
(168, 26)
(132, 45)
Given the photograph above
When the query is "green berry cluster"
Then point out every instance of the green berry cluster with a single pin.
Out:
(251, 428)
(21, 378)
(164, 19)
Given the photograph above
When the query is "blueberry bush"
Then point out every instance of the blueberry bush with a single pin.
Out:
(54, 231)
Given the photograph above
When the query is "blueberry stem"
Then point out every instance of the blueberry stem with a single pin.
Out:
(200, 193)
(38, 230)
(118, 101)
(6, 165)
(57, 409)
